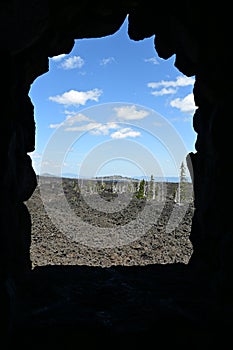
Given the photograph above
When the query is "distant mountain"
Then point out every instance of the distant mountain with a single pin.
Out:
(70, 175)
(48, 175)
(174, 179)
(115, 177)
(162, 179)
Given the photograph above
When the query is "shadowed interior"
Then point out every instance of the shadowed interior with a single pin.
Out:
(55, 305)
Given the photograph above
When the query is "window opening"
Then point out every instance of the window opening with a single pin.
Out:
(114, 125)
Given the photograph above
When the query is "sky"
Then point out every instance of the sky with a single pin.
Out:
(112, 107)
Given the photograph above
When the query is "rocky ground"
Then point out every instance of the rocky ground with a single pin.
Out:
(93, 283)
(54, 243)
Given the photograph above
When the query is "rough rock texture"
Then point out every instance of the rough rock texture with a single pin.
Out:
(200, 38)
(134, 292)
(52, 246)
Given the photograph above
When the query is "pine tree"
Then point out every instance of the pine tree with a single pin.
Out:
(182, 184)
(151, 189)
(182, 173)
(141, 191)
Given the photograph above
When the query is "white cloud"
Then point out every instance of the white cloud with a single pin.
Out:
(179, 82)
(58, 58)
(104, 128)
(69, 112)
(71, 120)
(170, 87)
(130, 113)
(85, 127)
(107, 60)
(164, 91)
(73, 62)
(36, 160)
(125, 132)
(77, 98)
(55, 126)
(185, 104)
(95, 128)
(77, 118)
(152, 60)
(34, 155)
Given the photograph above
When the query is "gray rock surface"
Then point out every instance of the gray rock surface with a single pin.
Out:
(54, 243)
(136, 293)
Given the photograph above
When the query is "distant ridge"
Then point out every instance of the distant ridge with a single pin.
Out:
(174, 179)
(48, 175)
(115, 177)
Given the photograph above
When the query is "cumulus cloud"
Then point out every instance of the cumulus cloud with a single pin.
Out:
(152, 60)
(73, 62)
(95, 128)
(185, 104)
(107, 60)
(171, 87)
(36, 160)
(85, 127)
(164, 91)
(77, 98)
(130, 113)
(55, 126)
(104, 128)
(125, 132)
(179, 82)
(71, 120)
(58, 57)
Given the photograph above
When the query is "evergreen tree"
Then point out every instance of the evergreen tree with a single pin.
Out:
(183, 183)
(141, 191)
(151, 189)
(182, 173)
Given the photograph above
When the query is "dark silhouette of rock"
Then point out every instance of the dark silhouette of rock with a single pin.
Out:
(199, 37)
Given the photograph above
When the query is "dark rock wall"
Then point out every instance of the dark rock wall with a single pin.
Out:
(33, 30)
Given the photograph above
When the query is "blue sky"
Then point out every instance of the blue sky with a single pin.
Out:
(112, 106)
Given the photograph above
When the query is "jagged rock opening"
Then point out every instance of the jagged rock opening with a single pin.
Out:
(48, 244)
(199, 38)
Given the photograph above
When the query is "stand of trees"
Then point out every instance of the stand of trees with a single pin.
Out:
(151, 190)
